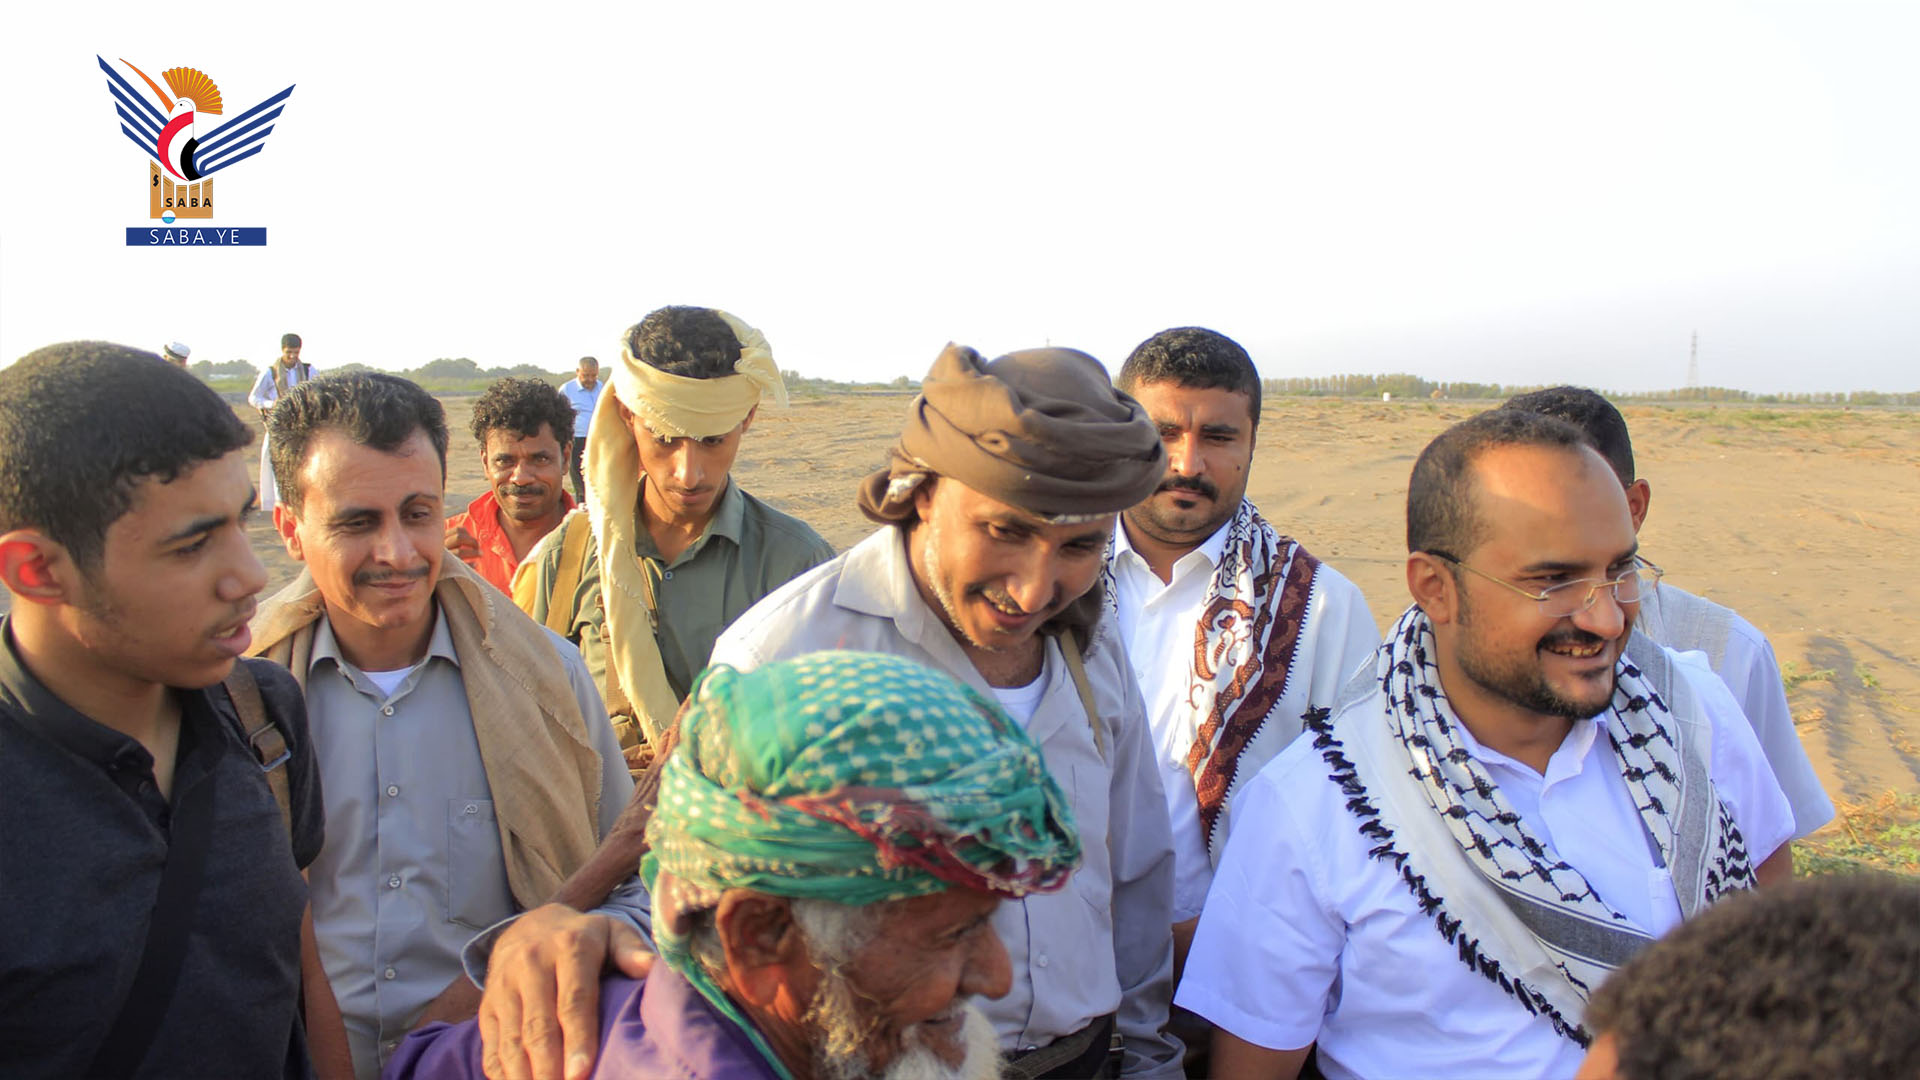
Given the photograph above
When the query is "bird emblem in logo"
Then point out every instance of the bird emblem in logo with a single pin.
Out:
(180, 181)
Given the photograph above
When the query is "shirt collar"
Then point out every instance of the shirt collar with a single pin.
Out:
(729, 520)
(1579, 737)
(1212, 549)
(877, 579)
(484, 512)
(40, 711)
(327, 647)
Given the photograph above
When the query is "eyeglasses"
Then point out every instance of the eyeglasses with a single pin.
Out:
(1573, 597)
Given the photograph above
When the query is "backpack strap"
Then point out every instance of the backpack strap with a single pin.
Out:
(561, 605)
(264, 738)
(1070, 651)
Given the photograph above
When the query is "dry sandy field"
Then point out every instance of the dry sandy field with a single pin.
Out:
(1806, 520)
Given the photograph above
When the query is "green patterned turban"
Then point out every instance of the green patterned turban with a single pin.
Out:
(851, 777)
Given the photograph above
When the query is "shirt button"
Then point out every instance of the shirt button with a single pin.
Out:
(386, 710)
(666, 575)
(389, 974)
(392, 790)
(393, 882)
(472, 809)
(1040, 961)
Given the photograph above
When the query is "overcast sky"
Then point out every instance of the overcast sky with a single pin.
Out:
(1515, 193)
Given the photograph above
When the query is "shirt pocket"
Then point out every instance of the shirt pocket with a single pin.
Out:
(477, 891)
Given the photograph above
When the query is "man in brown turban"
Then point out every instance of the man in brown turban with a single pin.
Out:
(998, 502)
(997, 506)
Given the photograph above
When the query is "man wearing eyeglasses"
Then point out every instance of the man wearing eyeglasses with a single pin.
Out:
(1511, 800)
(1738, 651)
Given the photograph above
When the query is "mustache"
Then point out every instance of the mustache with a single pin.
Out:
(1574, 637)
(1199, 485)
(381, 577)
(1003, 601)
(525, 489)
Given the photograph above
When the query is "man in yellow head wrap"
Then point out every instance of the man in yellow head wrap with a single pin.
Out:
(671, 550)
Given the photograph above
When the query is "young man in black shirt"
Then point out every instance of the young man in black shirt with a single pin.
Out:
(151, 873)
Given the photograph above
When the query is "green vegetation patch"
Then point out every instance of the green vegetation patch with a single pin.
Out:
(1878, 834)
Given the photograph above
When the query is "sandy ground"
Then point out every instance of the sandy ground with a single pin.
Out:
(1807, 521)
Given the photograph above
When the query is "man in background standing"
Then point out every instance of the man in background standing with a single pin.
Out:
(1739, 653)
(175, 353)
(583, 390)
(521, 426)
(282, 375)
(672, 549)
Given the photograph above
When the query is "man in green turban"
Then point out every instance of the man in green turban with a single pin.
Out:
(833, 836)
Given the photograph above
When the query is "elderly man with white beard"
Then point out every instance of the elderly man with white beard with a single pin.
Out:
(834, 834)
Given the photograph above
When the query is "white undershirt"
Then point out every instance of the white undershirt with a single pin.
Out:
(1022, 701)
(389, 681)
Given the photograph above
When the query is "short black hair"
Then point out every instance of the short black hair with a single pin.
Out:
(289, 341)
(372, 408)
(1441, 514)
(83, 423)
(1193, 356)
(693, 342)
(1812, 978)
(521, 406)
(1605, 428)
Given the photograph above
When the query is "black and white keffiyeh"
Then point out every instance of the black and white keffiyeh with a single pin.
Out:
(1683, 819)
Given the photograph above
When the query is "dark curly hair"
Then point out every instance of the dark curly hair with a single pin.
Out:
(521, 406)
(83, 423)
(1816, 978)
(693, 342)
(372, 408)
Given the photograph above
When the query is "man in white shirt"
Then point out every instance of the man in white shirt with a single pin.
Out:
(1737, 650)
(283, 373)
(1518, 795)
(1234, 630)
(997, 504)
(583, 391)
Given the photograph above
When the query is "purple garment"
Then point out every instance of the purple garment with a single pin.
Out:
(660, 1026)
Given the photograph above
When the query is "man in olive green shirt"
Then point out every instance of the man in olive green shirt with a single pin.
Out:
(671, 550)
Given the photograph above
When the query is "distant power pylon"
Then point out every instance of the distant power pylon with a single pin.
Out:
(1693, 363)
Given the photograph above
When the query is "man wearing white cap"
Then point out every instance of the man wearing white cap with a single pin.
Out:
(175, 353)
(683, 548)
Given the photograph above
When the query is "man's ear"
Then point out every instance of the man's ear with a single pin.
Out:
(1432, 584)
(761, 942)
(34, 567)
(1639, 496)
(288, 527)
(748, 422)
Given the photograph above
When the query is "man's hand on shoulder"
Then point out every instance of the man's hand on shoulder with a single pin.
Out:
(464, 545)
(542, 1003)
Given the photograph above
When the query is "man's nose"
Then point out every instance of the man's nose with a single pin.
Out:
(1034, 585)
(688, 469)
(1606, 617)
(1183, 455)
(246, 577)
(989, 973)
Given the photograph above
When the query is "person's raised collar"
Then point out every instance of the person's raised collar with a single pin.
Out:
(729, 520)
(1213, 548)
(327, 647)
